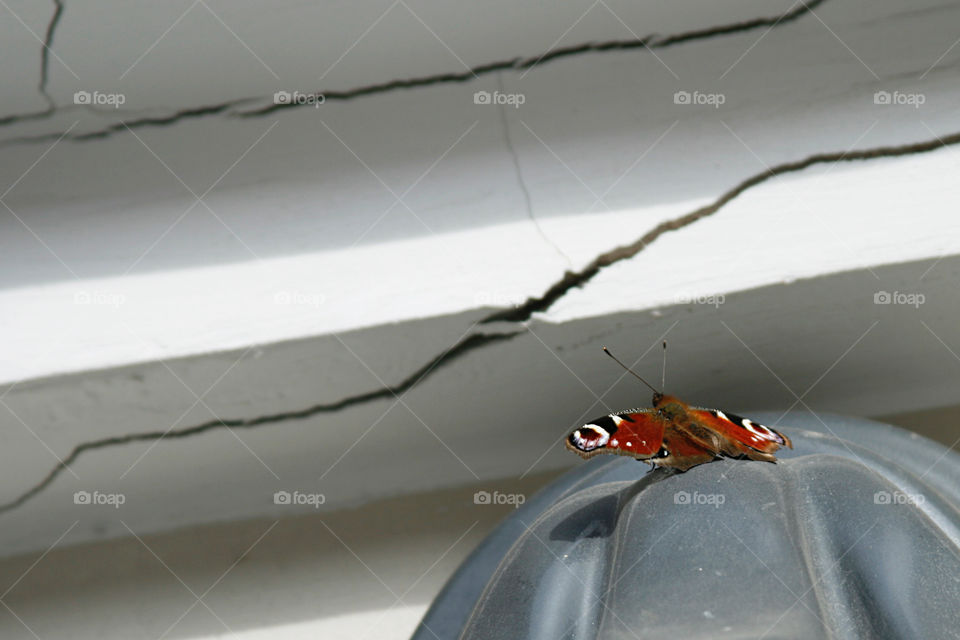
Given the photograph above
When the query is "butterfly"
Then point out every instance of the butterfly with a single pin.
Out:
(673, 434)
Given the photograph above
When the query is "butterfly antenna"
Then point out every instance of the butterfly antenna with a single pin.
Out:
(663, 379)
(629, 370)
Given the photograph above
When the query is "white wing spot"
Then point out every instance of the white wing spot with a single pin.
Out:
(600, 430)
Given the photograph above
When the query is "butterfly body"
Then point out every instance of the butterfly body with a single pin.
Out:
(676, 435)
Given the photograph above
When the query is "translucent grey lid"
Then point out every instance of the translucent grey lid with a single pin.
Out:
(852, 535)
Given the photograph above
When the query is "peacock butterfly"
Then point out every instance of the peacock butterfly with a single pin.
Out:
(674, 434)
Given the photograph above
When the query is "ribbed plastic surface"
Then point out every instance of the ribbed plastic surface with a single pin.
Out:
(853, 535)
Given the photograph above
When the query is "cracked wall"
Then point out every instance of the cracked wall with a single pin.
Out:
(518, 192)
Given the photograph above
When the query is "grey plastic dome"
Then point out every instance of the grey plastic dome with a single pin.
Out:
(854, 534)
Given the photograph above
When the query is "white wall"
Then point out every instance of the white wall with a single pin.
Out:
(298, 264)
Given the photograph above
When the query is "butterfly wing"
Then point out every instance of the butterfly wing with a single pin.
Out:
(637, 433)
(733, 435)
(681, 452)
(646, 435)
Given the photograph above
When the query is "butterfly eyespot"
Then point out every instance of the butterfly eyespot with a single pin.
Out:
(589, 437)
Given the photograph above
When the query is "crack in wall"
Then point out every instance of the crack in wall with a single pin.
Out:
(528, 202)
(532, 305)
(154, 121)
(522, 313)
(444, 358)
(522, 64)
(649, 42)
(45, 52)
(44, 72)
(464, 345)
(576, 279)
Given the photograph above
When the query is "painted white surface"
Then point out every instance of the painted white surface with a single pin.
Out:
(300, 239)
(305, 211)
(797, 227)
(189, 302)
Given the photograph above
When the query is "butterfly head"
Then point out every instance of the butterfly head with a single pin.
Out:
(669, 407)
